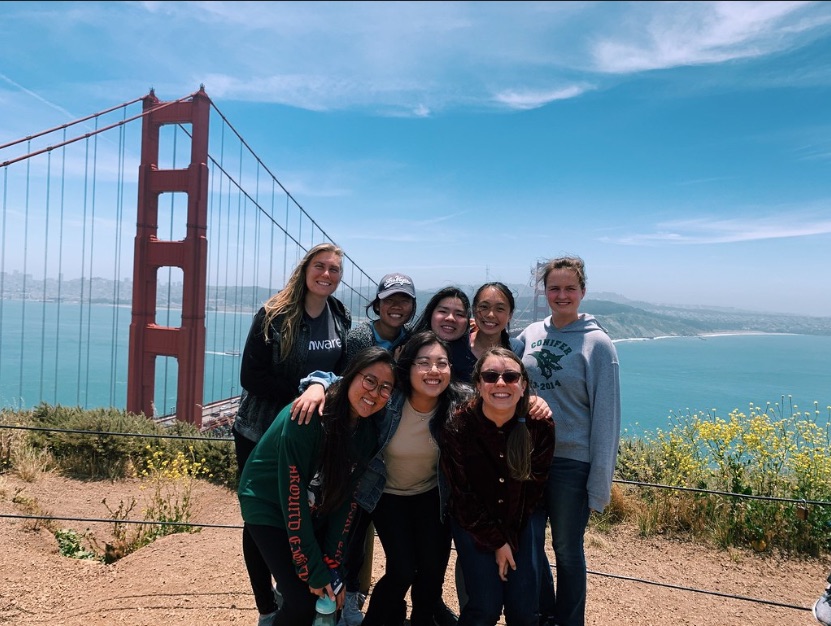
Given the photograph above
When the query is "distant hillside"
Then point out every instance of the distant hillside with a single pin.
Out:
(647, 320)
(625, 319)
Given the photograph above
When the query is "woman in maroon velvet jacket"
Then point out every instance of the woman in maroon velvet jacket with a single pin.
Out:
(497, 465)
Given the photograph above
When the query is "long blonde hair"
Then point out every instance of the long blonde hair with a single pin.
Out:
(290, 301)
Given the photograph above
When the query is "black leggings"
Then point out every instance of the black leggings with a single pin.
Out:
(417, 548)
(298, 601)
(355, 554)
(258, 572)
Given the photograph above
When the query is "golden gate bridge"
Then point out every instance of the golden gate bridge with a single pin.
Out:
(137, 242)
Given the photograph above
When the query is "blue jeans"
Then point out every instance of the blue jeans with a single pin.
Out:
(487, 593)
(568, 510)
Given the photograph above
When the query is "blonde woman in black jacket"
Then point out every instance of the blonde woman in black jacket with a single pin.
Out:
(299, 330)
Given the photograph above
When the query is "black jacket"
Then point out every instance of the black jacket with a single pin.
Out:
(269, 380)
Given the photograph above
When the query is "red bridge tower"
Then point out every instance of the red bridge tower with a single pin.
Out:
(148, 339)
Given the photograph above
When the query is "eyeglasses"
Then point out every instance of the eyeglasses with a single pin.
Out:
(508, 376)
(370, 383)
(425, 365)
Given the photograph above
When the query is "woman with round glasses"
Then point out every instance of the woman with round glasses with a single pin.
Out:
(394, 307)
(496, 462)
(493, 307)
(573, 364)
(296, 488)
(402, 488)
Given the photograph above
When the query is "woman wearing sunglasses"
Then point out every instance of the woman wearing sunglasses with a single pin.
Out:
(496, 461)
(296, 488)
(402, 489)
(572, 363)
(448, 315)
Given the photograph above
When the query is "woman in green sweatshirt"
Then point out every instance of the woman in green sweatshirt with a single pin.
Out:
(296, 489)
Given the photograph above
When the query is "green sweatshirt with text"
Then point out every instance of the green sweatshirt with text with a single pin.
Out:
(281, 486)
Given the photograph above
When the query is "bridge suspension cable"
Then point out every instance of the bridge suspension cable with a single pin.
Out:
(67, 256)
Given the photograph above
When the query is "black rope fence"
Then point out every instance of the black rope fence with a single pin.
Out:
(196, 525)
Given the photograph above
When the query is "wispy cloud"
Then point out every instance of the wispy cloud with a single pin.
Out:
(530, 99)
(434, 230)
(421, 59)
(36, 96)
(403, 58)
(704, 230)
(658, 35)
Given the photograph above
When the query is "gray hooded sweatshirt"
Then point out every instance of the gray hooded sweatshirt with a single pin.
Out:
(575, 369)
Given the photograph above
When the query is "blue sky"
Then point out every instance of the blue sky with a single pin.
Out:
(681, 148)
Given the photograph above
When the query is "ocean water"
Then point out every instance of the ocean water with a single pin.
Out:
(76, 355)
(720, 373)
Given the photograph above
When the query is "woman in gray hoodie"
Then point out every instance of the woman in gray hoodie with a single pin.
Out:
(572, 364)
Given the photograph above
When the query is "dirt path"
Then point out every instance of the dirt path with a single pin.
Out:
(197, 579)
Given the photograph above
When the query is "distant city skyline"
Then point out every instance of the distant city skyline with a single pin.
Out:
(100, 290)
(681, 148)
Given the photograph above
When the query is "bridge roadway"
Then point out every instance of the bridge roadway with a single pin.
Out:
(214, 415)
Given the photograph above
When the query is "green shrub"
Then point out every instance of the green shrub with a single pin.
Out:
(99, 455)
(94, 455)
(776, 454)
(11, 439)
(70, 545)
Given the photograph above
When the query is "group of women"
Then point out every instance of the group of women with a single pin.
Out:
(436, 430)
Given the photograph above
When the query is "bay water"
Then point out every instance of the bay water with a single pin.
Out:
(719, 374)
(76, 355)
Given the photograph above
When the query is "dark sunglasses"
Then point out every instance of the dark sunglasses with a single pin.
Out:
(508, 376)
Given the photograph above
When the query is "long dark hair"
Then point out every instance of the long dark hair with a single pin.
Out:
(423, 321)
(519, 445)
(450, 398)
(502, 288)
(337, 453)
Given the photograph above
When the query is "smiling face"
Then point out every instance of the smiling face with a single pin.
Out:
(323, 274)
(564, 295)
(429, 376)
(449, 320)
(394, 311)
(500, 398)
(492, 311)
(364, 402)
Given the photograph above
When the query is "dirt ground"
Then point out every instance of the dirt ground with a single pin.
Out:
(199, 578)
